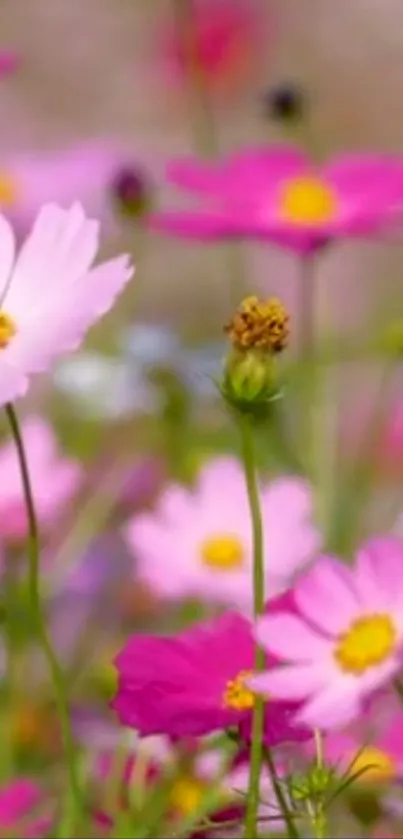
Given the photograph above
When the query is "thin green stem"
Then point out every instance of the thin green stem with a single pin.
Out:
(292, 831)
(74, 804)
(250, 467)
(306, 308)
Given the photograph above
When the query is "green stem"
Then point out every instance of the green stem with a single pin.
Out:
(292, 831)
(306, 308)
(250, 467)
(74, 804)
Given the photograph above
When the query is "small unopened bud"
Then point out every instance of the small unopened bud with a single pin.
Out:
(284, 103)
(131, 192)
(258, 332)
(314, 785)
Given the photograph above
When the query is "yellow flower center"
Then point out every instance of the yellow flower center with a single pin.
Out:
(381, 767)
(186, 794)
(307, 200)
(237, 695)
(7, 329)
(8, 190)
(223, 553)
(368, 642)
(259, 324)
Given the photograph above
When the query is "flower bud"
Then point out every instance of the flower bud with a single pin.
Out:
(131, 192)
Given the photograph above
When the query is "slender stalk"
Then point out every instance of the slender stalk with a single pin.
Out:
(319, 820)
(306, 308)
(74, 803)
(292, 831)
(250, 467)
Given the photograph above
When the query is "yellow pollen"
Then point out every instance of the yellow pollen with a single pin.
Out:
(223, 553)
(259, 324)
(368, 642)
(307, 200)
(237, 695)
(7, 329)
(8, 191)
(186, 794)
(381, 767)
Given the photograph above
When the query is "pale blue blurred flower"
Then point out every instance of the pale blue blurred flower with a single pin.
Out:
(149, 347)
(105, 388)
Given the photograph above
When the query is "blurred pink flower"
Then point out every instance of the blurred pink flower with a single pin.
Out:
(346, 641)
(277, 194)
(225, 43)
(194, 683)
(17, 799)
(9, 62)
(50, 294)
(55, 479)
(194, 545)
(381, 756)
(84, 172)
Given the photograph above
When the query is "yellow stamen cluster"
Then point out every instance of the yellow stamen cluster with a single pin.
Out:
(259, 324)
(367, 643)
(237, 695)
(223, 553)
(7, 329)
(375, 765)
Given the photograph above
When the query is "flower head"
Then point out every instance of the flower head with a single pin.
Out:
(275, 193)
(18, 800)
(194, 683)
(346, 639)
(221, 39)
(50, 294)
(259, 325)
(55, 479)
(192, 545)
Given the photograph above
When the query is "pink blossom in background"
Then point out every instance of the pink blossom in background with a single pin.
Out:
(18, 799)
(194, 683)
(9, 62)
(346, 641)
(84, 172)
(381, 754)
(198, 542)
(276, 193)
(50, 293)
(55, 479)
(226, 43)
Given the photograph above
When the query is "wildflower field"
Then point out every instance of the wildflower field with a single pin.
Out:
(201, 434)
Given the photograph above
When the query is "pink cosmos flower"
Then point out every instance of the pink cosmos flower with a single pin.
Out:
(277, 194)
(197, 546)
(226, 44)
(194, 683)
(50, 293)
(380, 755)
(9, 62)
(83, 172)
(345, 642)
(55, 479)
(18, 799)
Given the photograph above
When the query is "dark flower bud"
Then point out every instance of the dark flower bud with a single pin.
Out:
(131, 191)
(284, 103)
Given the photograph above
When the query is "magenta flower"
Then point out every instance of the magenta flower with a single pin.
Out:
(9, 62)
(226, 43)
(194, 683)
(346, 640)
(194, 546)
(55, 479)
(50, 294)
(275, 193)
(18, 800)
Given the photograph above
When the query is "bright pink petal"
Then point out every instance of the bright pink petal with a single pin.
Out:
(325, 598)
(207, 226)
(288, 637)
(196, 176)
(261, 169)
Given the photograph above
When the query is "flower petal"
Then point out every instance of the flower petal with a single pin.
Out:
(333, 707)
(325, 598)
(293, 683)
(288, 637)
(7, 253)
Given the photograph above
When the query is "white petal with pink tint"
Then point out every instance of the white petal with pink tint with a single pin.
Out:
(288, 637)
(290, 682)
(324, 596)
(7, 253)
